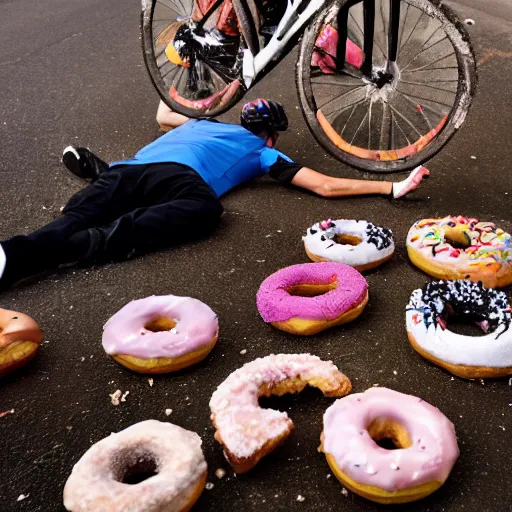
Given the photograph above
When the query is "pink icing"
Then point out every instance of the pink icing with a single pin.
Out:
(196, 327)
(431, 456)
(242, 424)
(275, 304)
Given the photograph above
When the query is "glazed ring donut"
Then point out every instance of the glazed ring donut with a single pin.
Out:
(460, 248)
(161, 334)
(308, 298)
(465, 356)
(245, 430)
(148, 467)
(357, 243)
(20, 339)
(424, 438)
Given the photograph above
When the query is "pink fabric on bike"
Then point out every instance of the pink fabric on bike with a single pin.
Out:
(328, 41)
(275, 304)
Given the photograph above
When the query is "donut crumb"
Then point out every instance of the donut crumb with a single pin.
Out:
(115, 397)
(344, 491)
(208, 486)
(22, 497)
(168, 412)
(300, 498)
(150, 382)
(220, 473)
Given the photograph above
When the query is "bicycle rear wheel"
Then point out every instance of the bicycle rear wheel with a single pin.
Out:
(195, 67)
(401, 89)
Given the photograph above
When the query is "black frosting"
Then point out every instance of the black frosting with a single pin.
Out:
(380, 237)
(465, 298)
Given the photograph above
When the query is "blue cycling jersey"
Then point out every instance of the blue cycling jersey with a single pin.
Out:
(224, 155)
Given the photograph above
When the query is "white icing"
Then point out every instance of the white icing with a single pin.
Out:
(492, 350)
(94, 482)
(353, 255)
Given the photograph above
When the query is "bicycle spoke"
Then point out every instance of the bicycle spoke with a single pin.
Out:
(386, 135)
(436, 112)
(172, 6)
(336, 84)
(405, 119)
(428, 86)
(412, 31)
(433, 62)
(400, 128)
(362, 32)
(358, 128)
(425, 99)
(423, 50)
(370, 125)
(340, 97)
(345, 108)
(393, 30)
(350, 116)
(420, 109)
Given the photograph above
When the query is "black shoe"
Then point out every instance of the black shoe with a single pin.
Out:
(83, 163)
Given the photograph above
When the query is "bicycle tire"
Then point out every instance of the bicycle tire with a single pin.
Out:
(146, 27)
(467, 79)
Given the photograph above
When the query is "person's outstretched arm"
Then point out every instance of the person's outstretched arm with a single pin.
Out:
(327, 186)
(167, 119)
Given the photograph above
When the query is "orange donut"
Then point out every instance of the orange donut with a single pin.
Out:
(20, 339)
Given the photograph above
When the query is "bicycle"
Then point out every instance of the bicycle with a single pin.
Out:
(383, 84)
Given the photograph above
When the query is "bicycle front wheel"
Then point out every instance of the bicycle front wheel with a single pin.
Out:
(384, 84)
(193, 53)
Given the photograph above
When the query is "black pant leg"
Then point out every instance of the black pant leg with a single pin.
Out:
(48, 247)
(154, 227)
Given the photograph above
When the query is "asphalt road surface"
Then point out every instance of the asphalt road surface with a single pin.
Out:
(71, 72)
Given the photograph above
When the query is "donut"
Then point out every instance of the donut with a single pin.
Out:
(20, 339)
(357, 243)
(148, 467)
(245, 430)
(460, 248)
(161, 334)
(465, 356)
(417, 452)
(310, 297)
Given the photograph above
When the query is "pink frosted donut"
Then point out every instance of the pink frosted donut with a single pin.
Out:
(424, 452)
(161, 334)
(104, 479)
(308, 298)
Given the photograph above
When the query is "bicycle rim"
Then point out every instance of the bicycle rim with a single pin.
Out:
(195, 69)
(400, 92)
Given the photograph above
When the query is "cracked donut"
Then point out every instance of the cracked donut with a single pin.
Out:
(149, 467)
(310, 297)
(419, 455)
(469, 357)
(20, 339)
(460, 248)
(161, 334)
(357, 243)
(245, 430)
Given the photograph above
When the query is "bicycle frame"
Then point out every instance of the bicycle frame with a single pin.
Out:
(291, 23)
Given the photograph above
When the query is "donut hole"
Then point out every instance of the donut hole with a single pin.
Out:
(160, 324)
(311, 290)
(457, 239)
(389, 434)
(347, 239)
(467, 325)
(134, 468)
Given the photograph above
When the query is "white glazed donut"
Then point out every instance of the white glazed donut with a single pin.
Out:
(173, 453)
(464, 356)
(357, 243)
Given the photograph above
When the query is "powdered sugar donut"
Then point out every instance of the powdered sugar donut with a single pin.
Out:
(104, 479)
(306, 299)
(161, 334)
(424, 438)
(465, 356)
(246, 431)
(357, 243)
